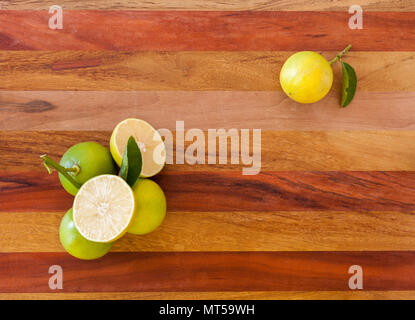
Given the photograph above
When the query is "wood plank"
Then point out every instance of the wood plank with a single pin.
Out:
(201, 71)
(76, 110)
(236, 231)
(205, 31)
(247, 295)
(230, 191)
(209, 5)
(281, 150)
(208, 271)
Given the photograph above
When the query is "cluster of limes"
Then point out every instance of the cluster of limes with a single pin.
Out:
(105, 205)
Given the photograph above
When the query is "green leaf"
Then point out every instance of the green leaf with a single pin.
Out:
(349, 84)
(132, 162)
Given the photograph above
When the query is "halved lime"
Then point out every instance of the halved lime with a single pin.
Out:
(104, 208)
(149, 141)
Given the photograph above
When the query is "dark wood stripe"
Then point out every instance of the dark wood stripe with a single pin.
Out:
(231, 191)
(21, 150)
(209, 30)
(203, 271)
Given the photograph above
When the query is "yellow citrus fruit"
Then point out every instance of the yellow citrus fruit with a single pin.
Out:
(151, 207)
(306, 77)
(104, 208)
(149, 141)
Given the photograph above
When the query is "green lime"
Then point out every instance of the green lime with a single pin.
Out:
(91, 158)
(76, 245)
(150, 207)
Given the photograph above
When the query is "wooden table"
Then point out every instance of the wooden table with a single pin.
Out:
(336, 189)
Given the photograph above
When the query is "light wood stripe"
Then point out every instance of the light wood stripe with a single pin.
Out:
(207, 71)
(206, 31)
(208, 5)
(281, 150)
(252, 295)
(99, 110)
(231, 231)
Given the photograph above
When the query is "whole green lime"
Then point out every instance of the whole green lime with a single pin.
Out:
(150, 207)
(76, 245)
(92, 159)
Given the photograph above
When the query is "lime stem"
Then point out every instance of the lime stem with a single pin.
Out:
(48, 162)
(336, 58)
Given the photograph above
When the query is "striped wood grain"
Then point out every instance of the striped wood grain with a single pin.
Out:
(208, 271)
(231, 231)
(207, 71)
(280, 150)
(205, 31)
(216, 209)
(230, 191)
(214, 295)
(210, 5)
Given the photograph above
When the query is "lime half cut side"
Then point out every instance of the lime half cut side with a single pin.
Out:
(103, 208)
(149, 141)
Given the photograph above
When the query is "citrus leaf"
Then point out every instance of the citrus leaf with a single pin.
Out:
(132, 162)
(349, 84)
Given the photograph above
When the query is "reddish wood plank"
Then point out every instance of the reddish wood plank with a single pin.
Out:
(231, 191)
(34, 192)
(209, 30)
(203, 271)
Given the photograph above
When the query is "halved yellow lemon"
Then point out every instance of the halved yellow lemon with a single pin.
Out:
(104, 208)
(149, 141)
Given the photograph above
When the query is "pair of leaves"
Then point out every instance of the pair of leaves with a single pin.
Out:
(349, 84)
(132, 162)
